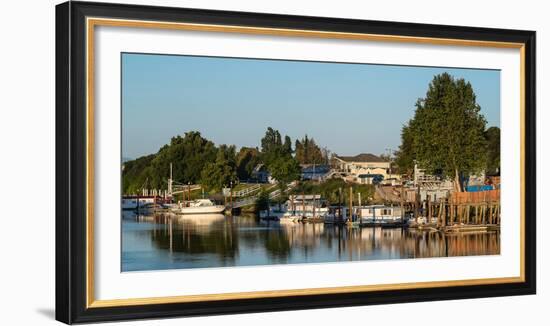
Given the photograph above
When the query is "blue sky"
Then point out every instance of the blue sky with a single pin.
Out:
(349, 108)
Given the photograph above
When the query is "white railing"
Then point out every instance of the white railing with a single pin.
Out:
(247, 191)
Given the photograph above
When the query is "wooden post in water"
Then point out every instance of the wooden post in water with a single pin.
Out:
(417, 204)
(350, 204)
(401, 203)
(491, 218)
(360, 209)
(448, 209)
(303, 204)
(451, 210)
(313, 207)
(171, 239)
(428, 208)
(443, 211)
(340, 203)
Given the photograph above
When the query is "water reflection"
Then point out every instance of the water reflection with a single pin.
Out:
(166, 241)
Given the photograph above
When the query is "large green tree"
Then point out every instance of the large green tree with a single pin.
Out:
(271, 145)
(405, 156)
(492, 135)
(284, 169)
(447, 130)
(219, 174)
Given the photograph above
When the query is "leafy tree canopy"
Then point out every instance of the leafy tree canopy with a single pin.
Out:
(307, 152)
(222, 172)
(247, 159)
(197, 160)
(188, 155)
(492, 136)
(447, 132)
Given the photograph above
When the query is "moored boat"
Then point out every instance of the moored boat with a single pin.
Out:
(200, 206)
(290, 218)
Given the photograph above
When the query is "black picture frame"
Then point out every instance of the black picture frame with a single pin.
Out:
(71, 158)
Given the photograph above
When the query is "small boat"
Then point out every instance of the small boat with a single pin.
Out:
(290, 218)
(169, 206)
(201, 206)
(421, 220)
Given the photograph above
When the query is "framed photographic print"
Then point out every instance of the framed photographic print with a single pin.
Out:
(212, 162)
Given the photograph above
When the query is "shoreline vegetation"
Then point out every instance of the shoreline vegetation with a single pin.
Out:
(447, 137)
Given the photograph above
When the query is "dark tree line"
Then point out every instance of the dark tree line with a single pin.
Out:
(198, 160)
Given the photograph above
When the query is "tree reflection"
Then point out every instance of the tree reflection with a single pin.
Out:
(217, 240)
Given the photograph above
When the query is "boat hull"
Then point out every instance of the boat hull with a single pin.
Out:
(218, 209)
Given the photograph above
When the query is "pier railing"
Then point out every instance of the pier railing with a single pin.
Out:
(247, 191)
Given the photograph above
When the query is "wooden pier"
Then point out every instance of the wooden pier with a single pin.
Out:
(468, 211)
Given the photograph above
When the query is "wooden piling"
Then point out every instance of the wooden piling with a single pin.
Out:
(401, 203)
(303, 204)
(350, 204)
(428, 208)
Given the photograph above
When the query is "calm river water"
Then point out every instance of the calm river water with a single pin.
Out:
(173, 241)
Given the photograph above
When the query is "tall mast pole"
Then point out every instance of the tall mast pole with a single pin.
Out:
(170, 182)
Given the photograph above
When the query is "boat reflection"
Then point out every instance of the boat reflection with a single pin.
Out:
(214, 240)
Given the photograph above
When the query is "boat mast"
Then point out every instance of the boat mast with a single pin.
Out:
(170, 182)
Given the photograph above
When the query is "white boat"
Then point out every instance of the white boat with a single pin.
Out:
(290, 218)
(201, 206)
(421, 220)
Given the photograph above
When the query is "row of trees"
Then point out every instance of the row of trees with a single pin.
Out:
(448, 134)
(198, 160)
(189, 155)
(308, 152)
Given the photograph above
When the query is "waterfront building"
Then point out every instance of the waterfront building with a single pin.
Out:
(315, 172)
(261, 174)
(364, 168)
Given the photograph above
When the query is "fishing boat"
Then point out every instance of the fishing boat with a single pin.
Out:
(201, 206)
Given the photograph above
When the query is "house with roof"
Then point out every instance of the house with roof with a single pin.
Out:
(364, 168)
(261, 174)
(314, 172)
